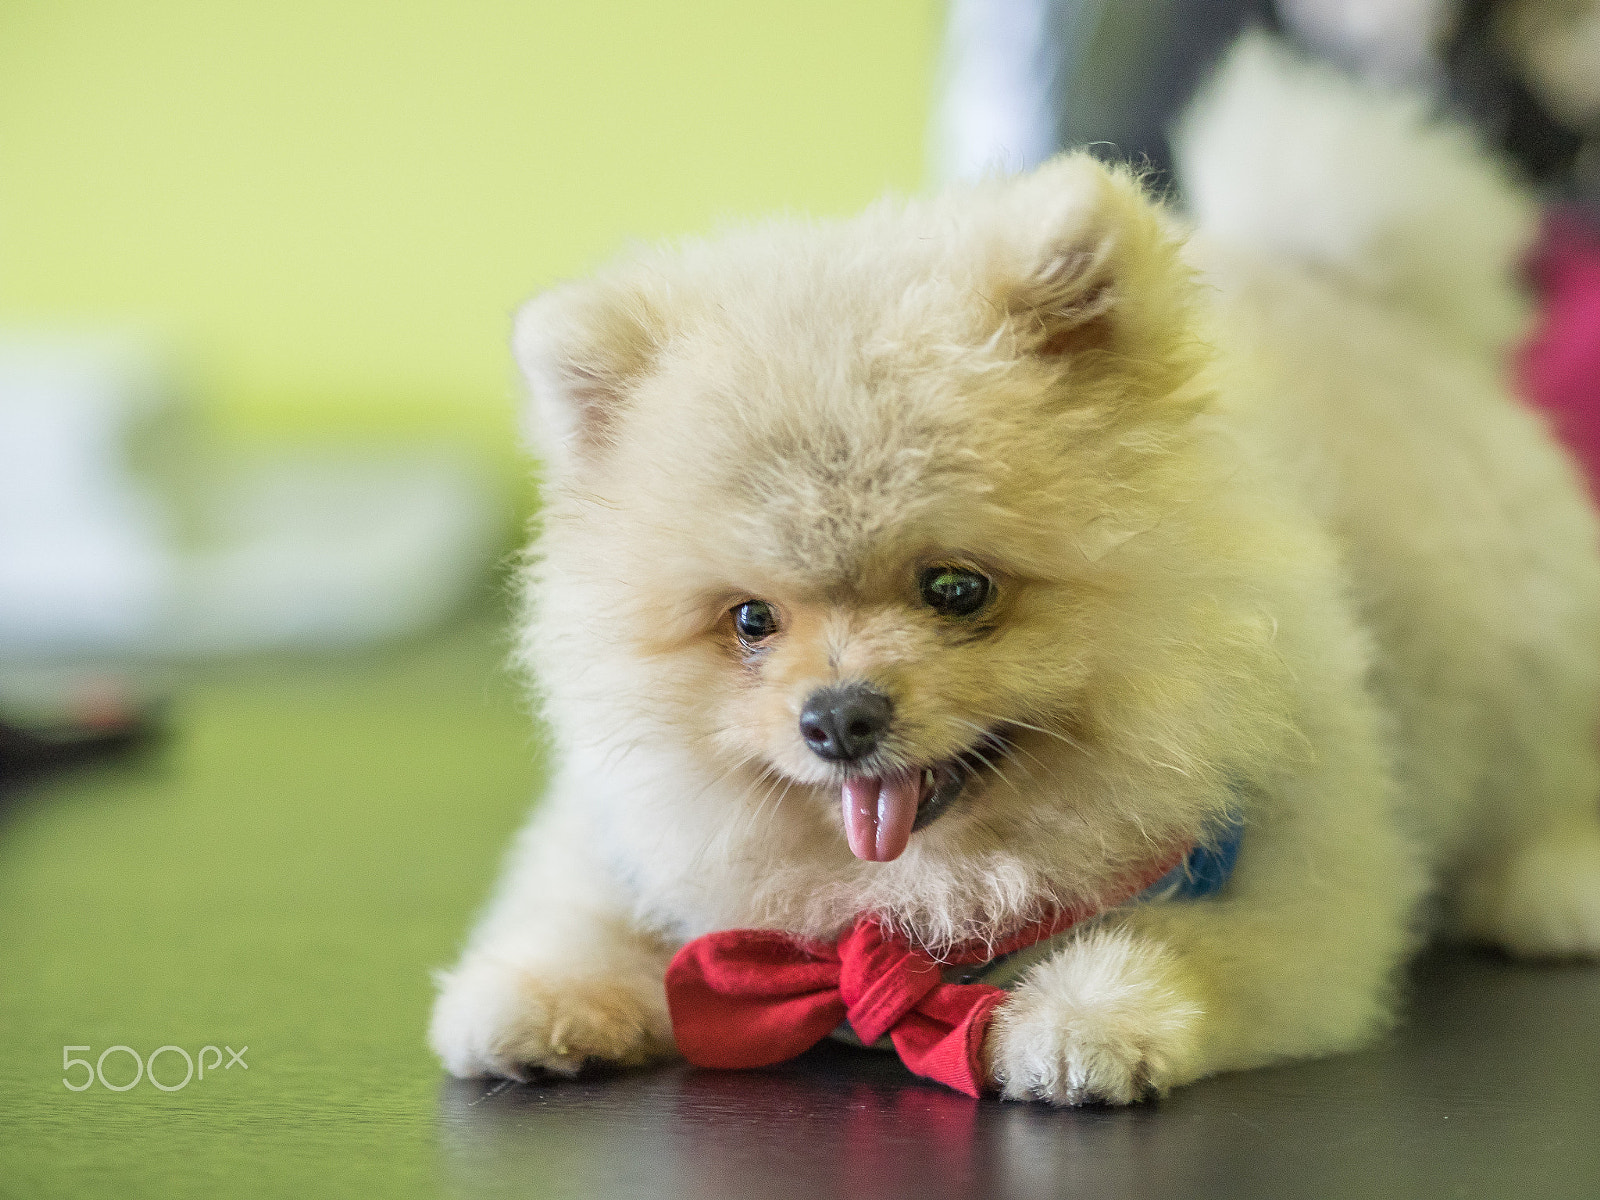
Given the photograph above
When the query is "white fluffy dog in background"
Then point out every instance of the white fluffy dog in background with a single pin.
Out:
(955, 563)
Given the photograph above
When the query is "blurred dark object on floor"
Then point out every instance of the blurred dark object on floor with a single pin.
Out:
(92, 719)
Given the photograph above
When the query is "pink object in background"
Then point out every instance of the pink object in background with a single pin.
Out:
(1559, 366)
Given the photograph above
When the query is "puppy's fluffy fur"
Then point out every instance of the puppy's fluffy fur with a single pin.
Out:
(1265, 531)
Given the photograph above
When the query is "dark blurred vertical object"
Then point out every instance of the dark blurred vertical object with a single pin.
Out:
(1492, 69)
(1026, 78)
(1128, 69)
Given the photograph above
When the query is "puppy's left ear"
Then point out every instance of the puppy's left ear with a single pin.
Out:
(1087, 261)
(583, 347)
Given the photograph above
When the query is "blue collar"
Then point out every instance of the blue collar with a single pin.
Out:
(1204, 871)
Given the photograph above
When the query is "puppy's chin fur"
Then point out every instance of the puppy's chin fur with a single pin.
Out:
(1275, 544)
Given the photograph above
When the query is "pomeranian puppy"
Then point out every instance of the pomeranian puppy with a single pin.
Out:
(1080, 651)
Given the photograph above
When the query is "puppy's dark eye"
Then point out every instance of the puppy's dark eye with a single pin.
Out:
(755, 620)
(953, 591)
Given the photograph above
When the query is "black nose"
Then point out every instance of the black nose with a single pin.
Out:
(844, 724)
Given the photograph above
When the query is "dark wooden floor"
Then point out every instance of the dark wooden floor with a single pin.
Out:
(1491, 1089)
(313, 837)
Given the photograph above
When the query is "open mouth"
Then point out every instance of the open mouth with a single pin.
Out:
(881, 812)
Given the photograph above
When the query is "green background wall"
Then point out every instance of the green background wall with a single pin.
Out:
(330, 207)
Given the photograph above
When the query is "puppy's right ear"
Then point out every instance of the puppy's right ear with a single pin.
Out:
(1085, 261)
(581, 347)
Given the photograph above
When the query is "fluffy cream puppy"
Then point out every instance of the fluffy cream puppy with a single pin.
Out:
(955, 563)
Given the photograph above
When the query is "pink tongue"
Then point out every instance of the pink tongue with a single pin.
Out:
(879, 812)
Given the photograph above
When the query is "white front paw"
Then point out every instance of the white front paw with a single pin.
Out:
(1108, 1020)
(497, 1018)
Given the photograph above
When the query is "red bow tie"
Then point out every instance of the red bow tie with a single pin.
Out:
(754, 997)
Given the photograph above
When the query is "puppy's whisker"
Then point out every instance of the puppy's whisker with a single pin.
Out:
(778, 803)
(963, 764)
(742, 763)
(718, 832)
(765, 796)
(973, 725)
(1015, 753)
(620, 749)
(977, 752)
(984, 734)
(1040, 729)
(998, 773)
(1014, 750)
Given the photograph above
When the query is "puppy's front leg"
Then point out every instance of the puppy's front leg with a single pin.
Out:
(1295, 958)
(556, 974)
